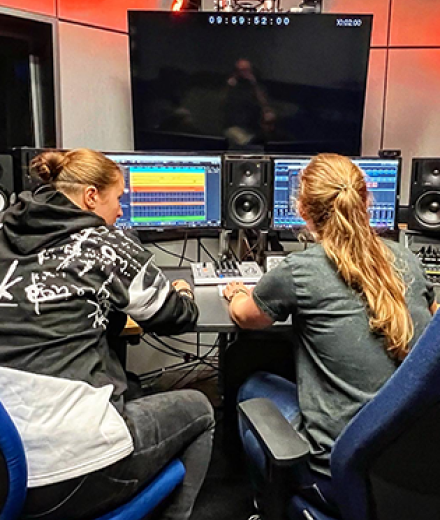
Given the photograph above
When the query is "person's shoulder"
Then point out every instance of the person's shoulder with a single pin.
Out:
(312, 253)
(399, 250)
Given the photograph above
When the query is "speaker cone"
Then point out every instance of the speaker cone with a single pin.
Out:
(247, 208)
(427, 209)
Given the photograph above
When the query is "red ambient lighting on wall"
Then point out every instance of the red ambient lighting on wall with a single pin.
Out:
(186, 5)
(177, 5)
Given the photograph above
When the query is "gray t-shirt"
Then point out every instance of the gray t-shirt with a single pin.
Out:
(340, 363)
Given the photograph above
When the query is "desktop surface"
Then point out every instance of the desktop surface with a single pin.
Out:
(213, 308)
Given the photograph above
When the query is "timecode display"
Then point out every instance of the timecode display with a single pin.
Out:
(249, 20)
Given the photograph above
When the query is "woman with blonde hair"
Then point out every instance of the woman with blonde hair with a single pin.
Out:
(358, 303)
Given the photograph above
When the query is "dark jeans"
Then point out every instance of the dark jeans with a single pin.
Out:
(163, 426)
(313, 486)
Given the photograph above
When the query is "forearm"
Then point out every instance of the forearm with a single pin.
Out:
(178, 315)
(246, 314)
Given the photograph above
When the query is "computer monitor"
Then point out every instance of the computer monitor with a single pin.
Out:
(170, 191)
(383, 181)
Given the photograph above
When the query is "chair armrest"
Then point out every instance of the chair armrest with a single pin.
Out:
(281, 442)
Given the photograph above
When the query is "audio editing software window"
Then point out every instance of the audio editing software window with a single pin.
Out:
(164, 191)
(382, 176)
(285, 187)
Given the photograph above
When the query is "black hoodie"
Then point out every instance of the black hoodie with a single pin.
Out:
(62, 271)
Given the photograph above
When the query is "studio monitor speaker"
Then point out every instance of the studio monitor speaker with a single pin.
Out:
(247, 192)
(424, 210)
(22, 158)
(6, 181)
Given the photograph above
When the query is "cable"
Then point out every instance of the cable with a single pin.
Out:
(155, 244)
(233, 254)
(184, 353)
(250, 249)
(182, 256)
(181, 353)
(206, 251)
(174, 385)
(193, 343)
(159, 349)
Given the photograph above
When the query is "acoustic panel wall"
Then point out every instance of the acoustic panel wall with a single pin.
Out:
(109, 14)
(371, 135)
(95, 88)
(412, 121)
(415, 23)
(45, 7)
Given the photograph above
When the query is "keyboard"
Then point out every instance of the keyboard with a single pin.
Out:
(221, 273)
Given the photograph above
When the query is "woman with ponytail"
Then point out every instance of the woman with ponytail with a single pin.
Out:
(357, 302)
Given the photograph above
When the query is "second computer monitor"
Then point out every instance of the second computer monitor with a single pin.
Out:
(382, 176)
(170, 191)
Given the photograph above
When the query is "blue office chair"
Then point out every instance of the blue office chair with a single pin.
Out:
(13, 480)
(385, 464)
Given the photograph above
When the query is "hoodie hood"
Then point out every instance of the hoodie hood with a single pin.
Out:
(43, 218)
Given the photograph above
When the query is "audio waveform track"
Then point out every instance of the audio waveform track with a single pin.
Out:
(165, 196)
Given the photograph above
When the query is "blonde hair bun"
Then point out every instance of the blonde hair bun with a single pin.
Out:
(48, 165)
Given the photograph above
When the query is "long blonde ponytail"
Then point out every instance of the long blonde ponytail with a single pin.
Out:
(334, 199)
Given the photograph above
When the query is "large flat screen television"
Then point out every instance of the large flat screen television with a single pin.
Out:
(276, 83)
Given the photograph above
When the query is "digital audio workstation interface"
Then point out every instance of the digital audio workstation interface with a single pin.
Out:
(163, 191)
(382, 176)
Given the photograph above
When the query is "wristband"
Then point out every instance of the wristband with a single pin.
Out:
(186, 292)
(237, 291)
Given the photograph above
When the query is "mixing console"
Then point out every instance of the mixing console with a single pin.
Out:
(216, 273)
(430, 259)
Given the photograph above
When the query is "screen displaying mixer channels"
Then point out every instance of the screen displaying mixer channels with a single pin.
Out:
(169, 191)
(382, 176)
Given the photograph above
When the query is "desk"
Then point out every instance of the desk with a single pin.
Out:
(240, 353)
(131, 328)
(214, 314)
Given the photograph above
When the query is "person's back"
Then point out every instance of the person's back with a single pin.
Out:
(64, 269)
(357, 304)
(340, 365)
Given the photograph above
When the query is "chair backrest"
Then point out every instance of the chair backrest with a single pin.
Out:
(386, 463)
(13, 469)
(13, 479)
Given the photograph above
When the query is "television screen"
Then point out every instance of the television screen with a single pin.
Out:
(383, 181)
(170, 191)
(274, 83)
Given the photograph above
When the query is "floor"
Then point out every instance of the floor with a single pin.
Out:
(226, 493)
